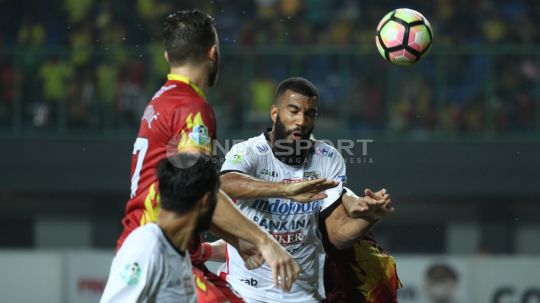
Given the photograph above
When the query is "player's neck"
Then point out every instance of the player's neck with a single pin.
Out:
(197, 74)
(178, 229)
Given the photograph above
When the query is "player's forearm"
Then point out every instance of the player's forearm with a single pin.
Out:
(343, 231)
(219, 253)
(230, 224)
(241, 186)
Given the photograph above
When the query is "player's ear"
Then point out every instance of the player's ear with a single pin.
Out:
(273, 112)
(213, 53)
(204, 203)
(166, 56)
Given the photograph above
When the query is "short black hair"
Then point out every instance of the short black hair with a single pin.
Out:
(188, 35)
(184, 179)
(298, 85)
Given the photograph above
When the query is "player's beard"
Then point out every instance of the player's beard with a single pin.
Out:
(205, 220)
(291, 152)
(213, 74)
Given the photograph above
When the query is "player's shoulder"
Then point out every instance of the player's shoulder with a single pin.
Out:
(258, 145)
(326, 151)
(144, 239)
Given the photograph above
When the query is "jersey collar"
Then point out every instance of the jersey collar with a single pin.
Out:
(187, 81)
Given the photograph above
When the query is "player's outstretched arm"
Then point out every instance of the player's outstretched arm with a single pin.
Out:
(343, 231)
(242, 186)
(231, 225)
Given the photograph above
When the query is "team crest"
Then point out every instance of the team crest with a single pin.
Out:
(131, 274)
(199, 135)
(311, 175)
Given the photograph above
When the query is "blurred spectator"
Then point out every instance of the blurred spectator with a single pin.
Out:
(81, 43)
(107, 84)
(77, 10)
(7, 90)
(31, 33)
(131, 98)
(54, 75)
(261, 98)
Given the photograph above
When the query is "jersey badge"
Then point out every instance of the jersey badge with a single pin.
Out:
(131, 274)
(311, 175)
(196, 135)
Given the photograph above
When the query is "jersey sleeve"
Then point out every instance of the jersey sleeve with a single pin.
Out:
(194, 128)
(240, 158)
(337, 171)
(130, 278)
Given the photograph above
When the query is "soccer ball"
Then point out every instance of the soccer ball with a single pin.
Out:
(403, 36)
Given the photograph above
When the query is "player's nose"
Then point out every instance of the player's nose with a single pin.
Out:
(300, 120)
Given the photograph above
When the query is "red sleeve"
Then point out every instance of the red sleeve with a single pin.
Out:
(194, 126)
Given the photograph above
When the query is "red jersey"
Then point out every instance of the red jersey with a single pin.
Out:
(178, 116)
(363, 273)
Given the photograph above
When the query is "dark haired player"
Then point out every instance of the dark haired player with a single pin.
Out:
(255, 171)
(152, 264)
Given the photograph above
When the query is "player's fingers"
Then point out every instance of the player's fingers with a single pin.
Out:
(319, 196)
(368, 192)
(283, 277)
(314, 183)
(372, 202)
(288, 276)
(275, 274)
(326, 185)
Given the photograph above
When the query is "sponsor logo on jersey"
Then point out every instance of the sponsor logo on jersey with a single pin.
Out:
(343, 179)
(250, 282)
(289, 238)
(321, 151)
(285, 208)
(150, 115)
(280, 225)
(175, 282)
(131, 274)
(235, 158)
(311, 175)
(270, 173)
(188, 285)
(262, 148)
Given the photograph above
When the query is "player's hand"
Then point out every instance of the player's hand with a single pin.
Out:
(379, 204)
(285, 270)
(254, 261)
(373, 206)
(308, 191)
(251, 255)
